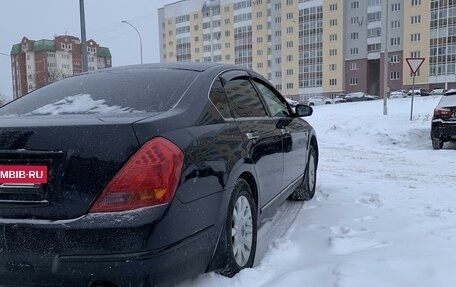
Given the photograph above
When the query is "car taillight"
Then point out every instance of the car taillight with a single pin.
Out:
(149, 178)
(442, 112)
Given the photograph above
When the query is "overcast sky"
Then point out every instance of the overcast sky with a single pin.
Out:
(43, 19)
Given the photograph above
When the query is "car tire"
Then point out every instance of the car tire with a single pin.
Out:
(327, 103)
(437, 144)
(241, 229)
(311, 104)
(306, 190)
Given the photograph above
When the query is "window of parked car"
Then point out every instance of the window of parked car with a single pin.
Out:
(218, 97)
(277, 106)
(120, 91)
(244, 99)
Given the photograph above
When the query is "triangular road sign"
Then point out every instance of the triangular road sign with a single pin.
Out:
(414, 64)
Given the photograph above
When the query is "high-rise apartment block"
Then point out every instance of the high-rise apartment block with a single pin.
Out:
(35, 64)
(324, 47)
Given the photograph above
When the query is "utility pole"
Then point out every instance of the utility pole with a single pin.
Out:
(85, 66)
(385, 64)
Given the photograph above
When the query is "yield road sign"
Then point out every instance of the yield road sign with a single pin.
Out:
(414, 64)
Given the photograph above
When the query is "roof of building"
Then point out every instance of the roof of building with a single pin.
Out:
(104, 52)
(44, 45)
(15, 49)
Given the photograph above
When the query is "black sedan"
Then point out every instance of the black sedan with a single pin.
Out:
(140, 175)
(443, 127)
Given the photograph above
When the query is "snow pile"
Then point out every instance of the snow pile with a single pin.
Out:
(384, 213)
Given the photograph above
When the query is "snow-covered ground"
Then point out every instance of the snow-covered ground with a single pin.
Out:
(384, 213)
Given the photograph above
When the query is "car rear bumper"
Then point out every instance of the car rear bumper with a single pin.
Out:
(443, 130)
(170, 264)
(133, 250)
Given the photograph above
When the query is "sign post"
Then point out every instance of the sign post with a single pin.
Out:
(414, 65)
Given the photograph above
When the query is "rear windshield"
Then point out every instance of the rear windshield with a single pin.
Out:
(107, 92)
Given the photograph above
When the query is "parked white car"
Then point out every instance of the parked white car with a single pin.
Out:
(319, 100)
(398, 94)
(291, 102)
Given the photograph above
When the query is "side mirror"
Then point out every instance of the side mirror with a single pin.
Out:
(303, 110)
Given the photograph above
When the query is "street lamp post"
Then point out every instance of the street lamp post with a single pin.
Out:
(139, 35)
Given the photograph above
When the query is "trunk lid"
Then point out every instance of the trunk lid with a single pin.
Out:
(81, 154)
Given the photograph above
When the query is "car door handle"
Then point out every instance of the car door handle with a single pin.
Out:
(285, 131)
(252, 135)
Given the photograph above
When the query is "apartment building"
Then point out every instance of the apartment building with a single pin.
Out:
(318, 47)
(264, 35)
(35, 64)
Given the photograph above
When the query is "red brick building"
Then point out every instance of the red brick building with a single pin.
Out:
(35, 64)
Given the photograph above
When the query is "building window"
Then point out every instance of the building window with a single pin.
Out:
(289, 44)
(353, 81)
(289, 86)
(373, 48)
(395, 7)
(333, 52)
(354, 5)
(332, 82)
(416, 2)
(354, 51)
(416, 19)
(289, 30)
(333, 37)
(289, 16)
(289, 58)
(332, 7)
(353, 66)
(395, 24)
(373, 2)
(332, 67)
(394, 59)
(259, 14)
(226, 9)
(333, 22)
(354, 20)
(354, 35)
(260, 65)
(289, 72)
(374, 32)
(374, 16)
(415, 54)
(289, 2)
(395, 75)
(415, 37)
(278, 74)
(395, 41)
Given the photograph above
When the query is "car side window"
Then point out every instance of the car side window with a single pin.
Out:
(244, 99)
(276, 105)
(218, 98)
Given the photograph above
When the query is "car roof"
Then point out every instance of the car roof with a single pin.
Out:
(193, 66)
